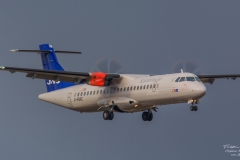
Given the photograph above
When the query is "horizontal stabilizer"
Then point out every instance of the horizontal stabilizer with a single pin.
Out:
(43, 51)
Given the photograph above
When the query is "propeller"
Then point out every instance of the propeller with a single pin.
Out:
(108, 65)
(187, 66)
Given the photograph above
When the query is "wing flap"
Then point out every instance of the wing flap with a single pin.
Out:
(51, 77)
(65, 76)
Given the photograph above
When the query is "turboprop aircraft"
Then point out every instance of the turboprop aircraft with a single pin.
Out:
(110, 92)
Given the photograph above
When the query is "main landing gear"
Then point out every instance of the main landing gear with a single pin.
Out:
(193, 107)
(147, 116)
(108, 115)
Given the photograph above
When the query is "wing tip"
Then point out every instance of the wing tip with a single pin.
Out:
(13, 50)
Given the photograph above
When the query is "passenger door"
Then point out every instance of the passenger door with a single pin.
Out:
(69, 100)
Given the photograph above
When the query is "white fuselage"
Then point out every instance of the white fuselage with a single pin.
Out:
(131, 93)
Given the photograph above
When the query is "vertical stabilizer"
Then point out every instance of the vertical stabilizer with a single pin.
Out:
(50, 62)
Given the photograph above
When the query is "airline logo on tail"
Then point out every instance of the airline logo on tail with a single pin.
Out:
(52, 82)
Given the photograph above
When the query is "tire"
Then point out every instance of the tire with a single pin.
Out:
(111, 115)
(195, 108)
(192, 108)
(145, 116)
(105, 115)
(150, 116)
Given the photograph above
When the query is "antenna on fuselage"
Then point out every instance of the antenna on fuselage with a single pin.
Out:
(181, 71)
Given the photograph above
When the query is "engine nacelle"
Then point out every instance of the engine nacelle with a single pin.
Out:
(99, 79)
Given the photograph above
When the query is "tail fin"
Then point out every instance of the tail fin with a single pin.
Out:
(50, 62)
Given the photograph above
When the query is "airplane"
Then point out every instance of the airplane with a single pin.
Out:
(111, 92)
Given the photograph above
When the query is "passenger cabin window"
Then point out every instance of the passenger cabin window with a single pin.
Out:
(182, 79)
(134, 87)
(177, 79)
(91, 93)
(150, 86)
(87, 92)
(197, 79)
(127, 88)
(100, 91)
(191, 79)
(84, 93)
(97, 91)
(137, 87)
(147, 86)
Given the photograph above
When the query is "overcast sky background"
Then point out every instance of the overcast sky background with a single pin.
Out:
(147, 37)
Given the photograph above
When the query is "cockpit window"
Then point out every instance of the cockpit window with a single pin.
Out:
(182, 79)
(191, 79)
(177, 79)
(197, 79)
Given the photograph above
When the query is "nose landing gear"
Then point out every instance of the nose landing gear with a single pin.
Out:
(193, 108)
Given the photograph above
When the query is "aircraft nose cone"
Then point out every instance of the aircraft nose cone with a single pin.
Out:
(201, 90)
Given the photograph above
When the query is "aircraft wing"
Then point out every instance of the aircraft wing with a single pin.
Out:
(66, 76)
(210, 78)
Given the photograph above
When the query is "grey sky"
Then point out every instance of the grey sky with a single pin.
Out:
(147, 37)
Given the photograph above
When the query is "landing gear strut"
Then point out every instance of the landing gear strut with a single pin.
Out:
(147, 116)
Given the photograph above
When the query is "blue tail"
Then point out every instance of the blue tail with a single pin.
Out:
(50, 62)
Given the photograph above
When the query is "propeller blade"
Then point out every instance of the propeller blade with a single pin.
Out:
(190, 66)
(114, 66)
(177, 67)
(102, 65)
(198, 73)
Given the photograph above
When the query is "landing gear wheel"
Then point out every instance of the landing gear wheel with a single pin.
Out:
(111, 115)
(106, 115)
(150, 116)
(145, 116)
(192, 108)
(195, 108)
